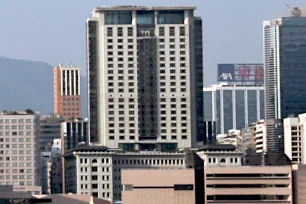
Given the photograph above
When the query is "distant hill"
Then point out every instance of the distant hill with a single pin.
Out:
(29, 84)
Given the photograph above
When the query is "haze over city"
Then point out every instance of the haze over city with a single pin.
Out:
(53, 31)
(135, 102)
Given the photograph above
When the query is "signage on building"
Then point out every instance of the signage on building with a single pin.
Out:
(241, 73)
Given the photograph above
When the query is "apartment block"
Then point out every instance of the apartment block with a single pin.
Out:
(145, 77)
(67, 91)
(97, 170)
(19, 160)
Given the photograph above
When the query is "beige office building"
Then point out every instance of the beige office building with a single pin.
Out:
(158, 186)
(67, 99)
(248, 185)
(299, 183)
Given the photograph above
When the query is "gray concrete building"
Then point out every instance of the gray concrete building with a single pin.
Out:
(50, 129)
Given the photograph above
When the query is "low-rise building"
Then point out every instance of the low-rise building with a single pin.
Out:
(231, 138)
(248, 184)
(96, 170)
(152, 186)
(227, 184)
(220, 155)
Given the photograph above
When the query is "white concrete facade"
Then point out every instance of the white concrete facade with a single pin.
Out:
(117, 79)
(295, 138)
(98, 172)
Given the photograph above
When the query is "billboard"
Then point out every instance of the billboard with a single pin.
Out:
(241, 73)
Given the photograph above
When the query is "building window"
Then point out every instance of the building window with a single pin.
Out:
(161, 31)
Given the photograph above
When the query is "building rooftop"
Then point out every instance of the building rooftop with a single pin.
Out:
(142, 8)
(219, 147)
(82, 148)
(25, 112)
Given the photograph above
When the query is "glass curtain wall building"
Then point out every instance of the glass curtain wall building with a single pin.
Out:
(285, 73)
(233, 107)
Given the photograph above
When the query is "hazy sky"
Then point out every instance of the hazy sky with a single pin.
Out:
(54, 30)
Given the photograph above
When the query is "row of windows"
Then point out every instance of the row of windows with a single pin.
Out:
(94, 161)
(95, 168)
(120, 59)
(173, 83)
(68, 109)
(15, 121)
(131, 90)
(173, 137)
(172, 40)
(172, 31)
(150, 161)
(104, 178)
(16, 134)
(129, 162)
(71, 104)
(171, 52)
(15, 171)
(95, 186)
(173, 112)
(162, 77)
(13, 158)
(15, 151)
(20, 146)
(222, 160)
(182, 46)
(15, 127)
(120, 47)
(16, 164)
(120, 40)
(119, 31)
(121, 137)
(17, 183)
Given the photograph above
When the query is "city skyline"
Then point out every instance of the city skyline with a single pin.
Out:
(53, 30)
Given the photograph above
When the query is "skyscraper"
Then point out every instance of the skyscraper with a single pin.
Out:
(67, 99)
(145, 76)
(285, 72)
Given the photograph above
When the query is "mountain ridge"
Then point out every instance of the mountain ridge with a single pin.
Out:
(29, 84)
